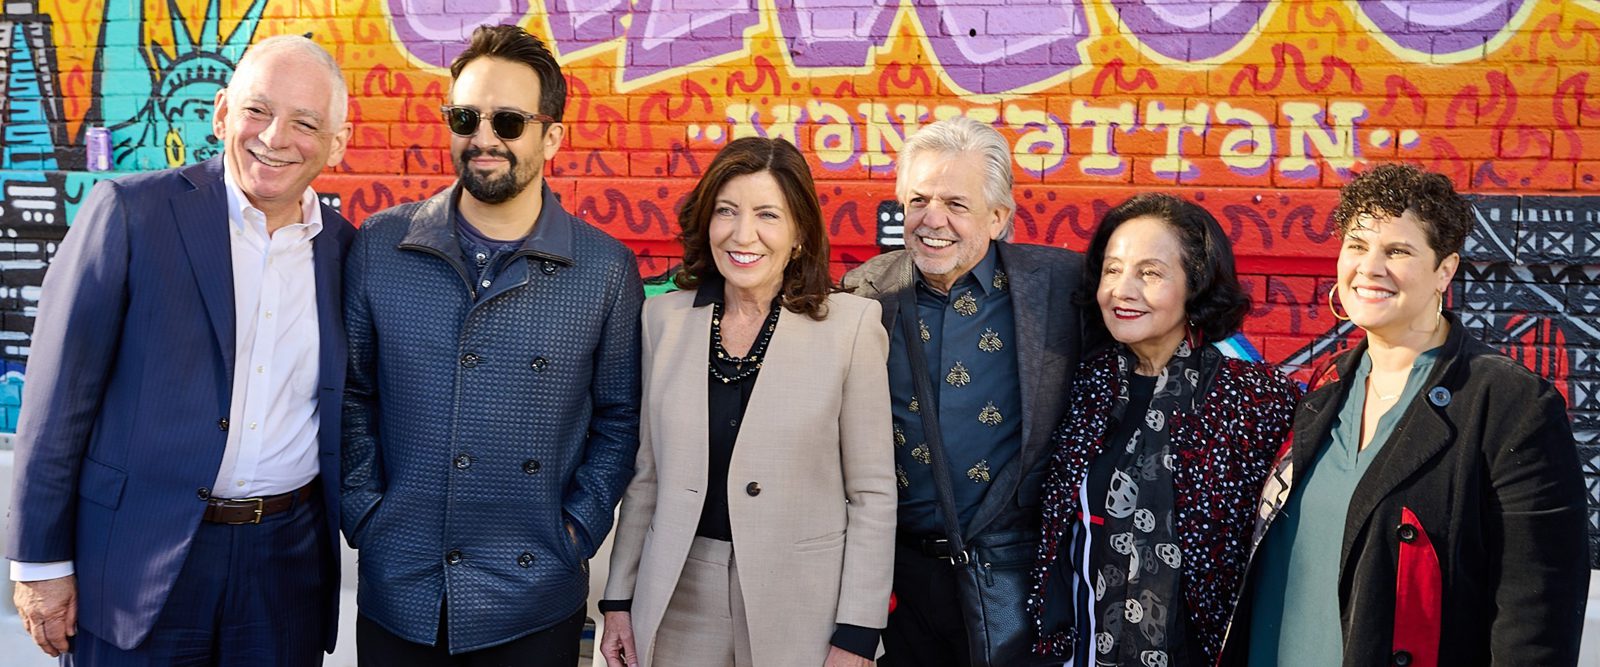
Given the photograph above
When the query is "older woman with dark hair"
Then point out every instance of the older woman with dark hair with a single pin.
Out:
(1151, 495)
(759, 526)
(1430, 508)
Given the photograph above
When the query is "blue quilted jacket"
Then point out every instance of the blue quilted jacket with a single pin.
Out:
(481, 422)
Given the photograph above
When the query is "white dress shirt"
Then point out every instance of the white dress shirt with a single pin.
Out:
(273, 415)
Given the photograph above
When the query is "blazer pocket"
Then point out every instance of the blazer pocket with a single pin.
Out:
(820, 542)
(101, 484)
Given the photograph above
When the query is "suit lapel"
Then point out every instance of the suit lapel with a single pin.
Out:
(786, 358)
(1030, 306)
(202, 218)
(691, 349)
(326, 260)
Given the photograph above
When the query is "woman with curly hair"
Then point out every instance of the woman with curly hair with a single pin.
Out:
(1149, 503)
(1429, 510)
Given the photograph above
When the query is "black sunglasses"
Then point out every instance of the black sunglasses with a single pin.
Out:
(507, 124)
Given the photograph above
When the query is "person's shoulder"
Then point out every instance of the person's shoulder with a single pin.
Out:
(1258, 378)
(394, 220)
(1499, 374)
(1031, 255)
(851, 307)
(590, 240)
(662, 306)
(856, 280)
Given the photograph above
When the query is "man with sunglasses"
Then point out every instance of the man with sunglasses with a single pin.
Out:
(492, 403)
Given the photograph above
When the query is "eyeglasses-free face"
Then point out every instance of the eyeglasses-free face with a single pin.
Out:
(507, 124)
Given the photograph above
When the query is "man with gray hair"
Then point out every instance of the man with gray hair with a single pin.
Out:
(984, 339)
(177, 458)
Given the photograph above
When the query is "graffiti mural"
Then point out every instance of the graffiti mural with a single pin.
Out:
(1258, 110)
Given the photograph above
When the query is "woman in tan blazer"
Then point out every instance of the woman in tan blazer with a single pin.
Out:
(759, 526)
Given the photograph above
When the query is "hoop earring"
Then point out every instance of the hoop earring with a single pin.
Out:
(1334, 308)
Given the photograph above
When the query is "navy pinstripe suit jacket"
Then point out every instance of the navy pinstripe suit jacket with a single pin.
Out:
(128, 388)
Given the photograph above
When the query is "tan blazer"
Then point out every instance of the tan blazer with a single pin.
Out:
(816, 546)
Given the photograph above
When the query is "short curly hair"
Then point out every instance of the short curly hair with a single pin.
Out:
(1216, 303)
(1389, 190)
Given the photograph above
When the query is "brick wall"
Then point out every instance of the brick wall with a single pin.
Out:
(1260, 110)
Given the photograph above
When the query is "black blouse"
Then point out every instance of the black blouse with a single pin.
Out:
(731, 380)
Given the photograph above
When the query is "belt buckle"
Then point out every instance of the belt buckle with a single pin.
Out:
(958, 558)
(261, 505)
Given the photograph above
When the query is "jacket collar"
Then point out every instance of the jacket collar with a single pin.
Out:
(433, 227)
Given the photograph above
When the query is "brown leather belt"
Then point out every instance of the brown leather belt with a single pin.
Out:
(235, 511)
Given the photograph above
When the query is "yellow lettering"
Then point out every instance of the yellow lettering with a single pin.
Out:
(1042, 144)
(1102, 120)
(1249, 147)
(1334, 141)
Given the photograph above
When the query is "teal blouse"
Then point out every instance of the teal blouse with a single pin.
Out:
(1295, 615)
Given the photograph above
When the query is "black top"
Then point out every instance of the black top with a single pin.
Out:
(731, 380)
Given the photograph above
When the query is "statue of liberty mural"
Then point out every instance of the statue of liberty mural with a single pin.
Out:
(159, 105)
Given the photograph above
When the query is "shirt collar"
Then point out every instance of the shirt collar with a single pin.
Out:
(245, 216)
(711, 290)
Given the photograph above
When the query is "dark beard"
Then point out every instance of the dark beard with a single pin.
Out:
(491, 189)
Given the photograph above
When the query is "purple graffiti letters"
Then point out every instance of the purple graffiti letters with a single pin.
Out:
(823, 34)
(580, 24)
(1188, 30)
(668, 34)
(1441, 27)
(434, 31)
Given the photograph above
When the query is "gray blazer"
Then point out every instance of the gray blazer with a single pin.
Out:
(1044, 281)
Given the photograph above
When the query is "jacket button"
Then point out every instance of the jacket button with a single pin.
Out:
(548, 267)
(222, 424)
(453, 558)
(1439, 396)
(463, 462)
(525, 560)
(530, 466)
(203, 493)
(540, 363)
(1402, 658)
(1407, 533)
(469, 360)
(753, 489)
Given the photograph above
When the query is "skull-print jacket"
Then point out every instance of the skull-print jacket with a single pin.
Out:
(1225, 448)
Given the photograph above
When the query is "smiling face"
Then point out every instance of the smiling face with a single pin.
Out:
(1390, 279)
(949, 222)
(279, 128)
(495, 170)
(1143, 287)
(752, 235)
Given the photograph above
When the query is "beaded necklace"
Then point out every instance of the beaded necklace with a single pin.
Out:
(747, 365)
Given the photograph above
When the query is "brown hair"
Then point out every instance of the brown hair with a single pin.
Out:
(806, 280)
(509, 42)
(1389, 190)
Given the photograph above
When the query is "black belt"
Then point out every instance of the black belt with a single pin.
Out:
(235, 511)
(930, 545)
